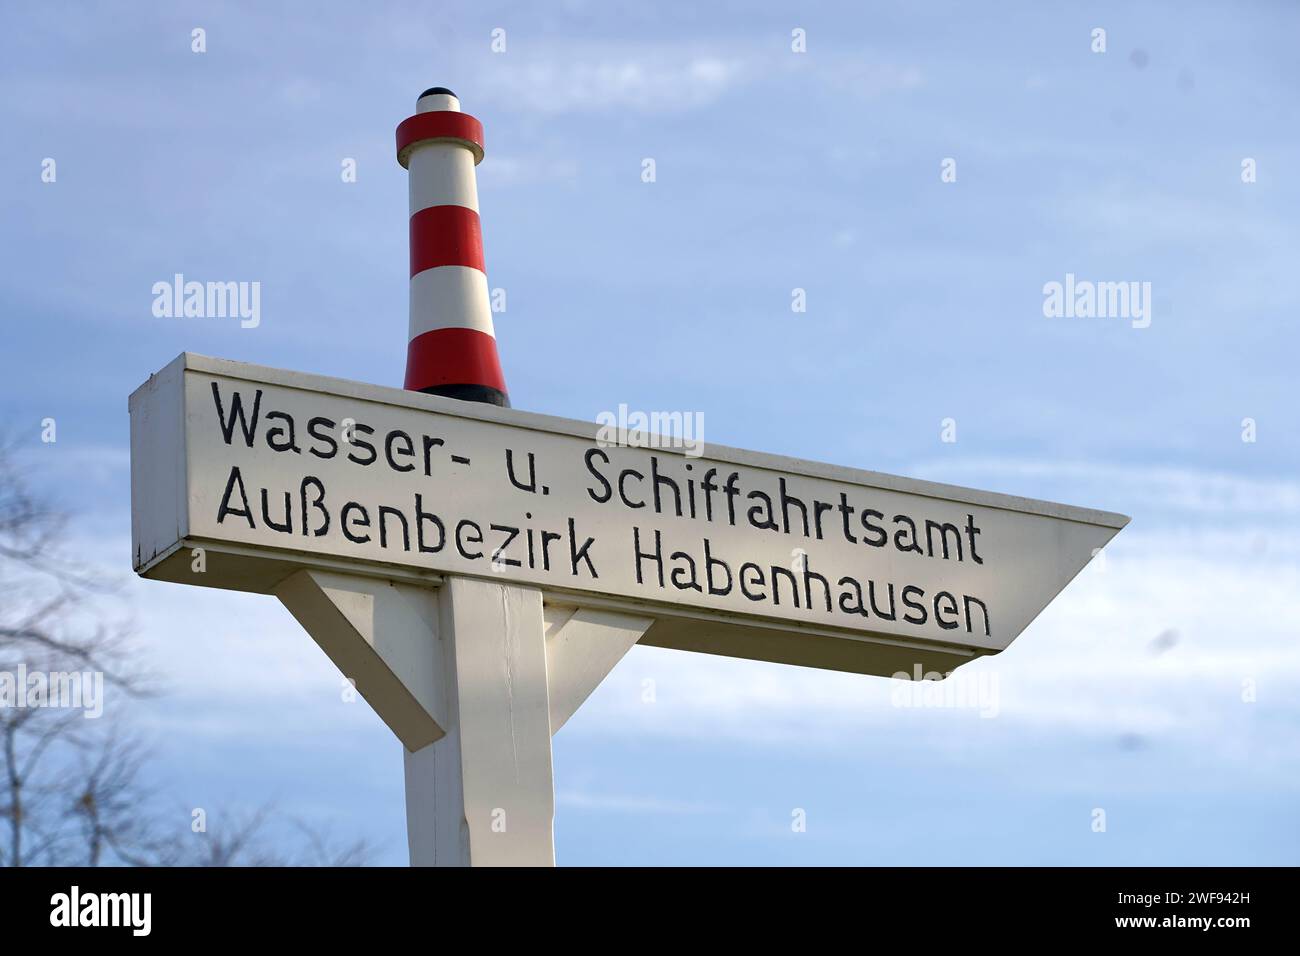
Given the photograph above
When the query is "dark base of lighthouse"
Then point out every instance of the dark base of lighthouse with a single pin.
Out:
(470, 393)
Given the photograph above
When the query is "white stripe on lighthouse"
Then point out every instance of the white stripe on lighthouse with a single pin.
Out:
(450, 297)
(442, 174)
(435, 102)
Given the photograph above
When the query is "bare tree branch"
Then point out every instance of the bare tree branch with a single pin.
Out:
(72, 790)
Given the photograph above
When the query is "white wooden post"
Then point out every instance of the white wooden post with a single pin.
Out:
(483, 794)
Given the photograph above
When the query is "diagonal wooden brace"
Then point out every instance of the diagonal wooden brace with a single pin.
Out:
(582, 647)
(382, 636)
(473, 677)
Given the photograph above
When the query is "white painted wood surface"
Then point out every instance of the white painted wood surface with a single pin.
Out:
(581, 650)
(382, 636)
(483, 795)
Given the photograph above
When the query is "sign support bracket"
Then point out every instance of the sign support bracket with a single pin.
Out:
(474, 678)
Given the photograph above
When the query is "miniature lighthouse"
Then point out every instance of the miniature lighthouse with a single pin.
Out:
(453, 348)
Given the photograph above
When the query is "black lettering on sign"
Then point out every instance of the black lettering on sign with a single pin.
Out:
(281, 439)
(384, 511)
(913, 605)
(429, 445)
(609, 489)
(460, 539)
(943, 528)
(665, 485)
(511, 533)
(786, 501)
(658, 481)
(248, 429)
(314, 429)
(235, 480)
(911, 530)
(710, 562)
(531, 484)
(967, 600)
(363, 521)
(808, 577)
(362, 443)
(731, 489)
(683, 576)
(657, 555)
(422, 516)
(939, 610)
(708, 487)
(971, 531)
(547, 538)
(893, 607)
(879, 536)
(623, 476)
(777, 573)
(756, 578)
(847, 510)
(286, 527)
(768, 523)
(577, 554)
(319, 503)
(407, 449)
(852, 589)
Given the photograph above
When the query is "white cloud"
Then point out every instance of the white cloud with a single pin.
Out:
(1169, 488)
(866, 78)
(669, 77)
(646, 79)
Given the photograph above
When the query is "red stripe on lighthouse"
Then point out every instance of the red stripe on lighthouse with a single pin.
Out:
(442, 125)
(453, 357)
(446, 236)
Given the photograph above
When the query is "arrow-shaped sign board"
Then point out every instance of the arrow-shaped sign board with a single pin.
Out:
(264, 473)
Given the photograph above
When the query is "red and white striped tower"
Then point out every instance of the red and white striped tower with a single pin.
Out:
(453, 347)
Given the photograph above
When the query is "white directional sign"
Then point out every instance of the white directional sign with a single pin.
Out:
(731, 552)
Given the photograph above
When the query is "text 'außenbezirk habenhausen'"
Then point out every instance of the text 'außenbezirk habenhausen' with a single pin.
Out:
(665, 486)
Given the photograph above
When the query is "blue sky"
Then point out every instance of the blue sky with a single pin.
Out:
(775, 170)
